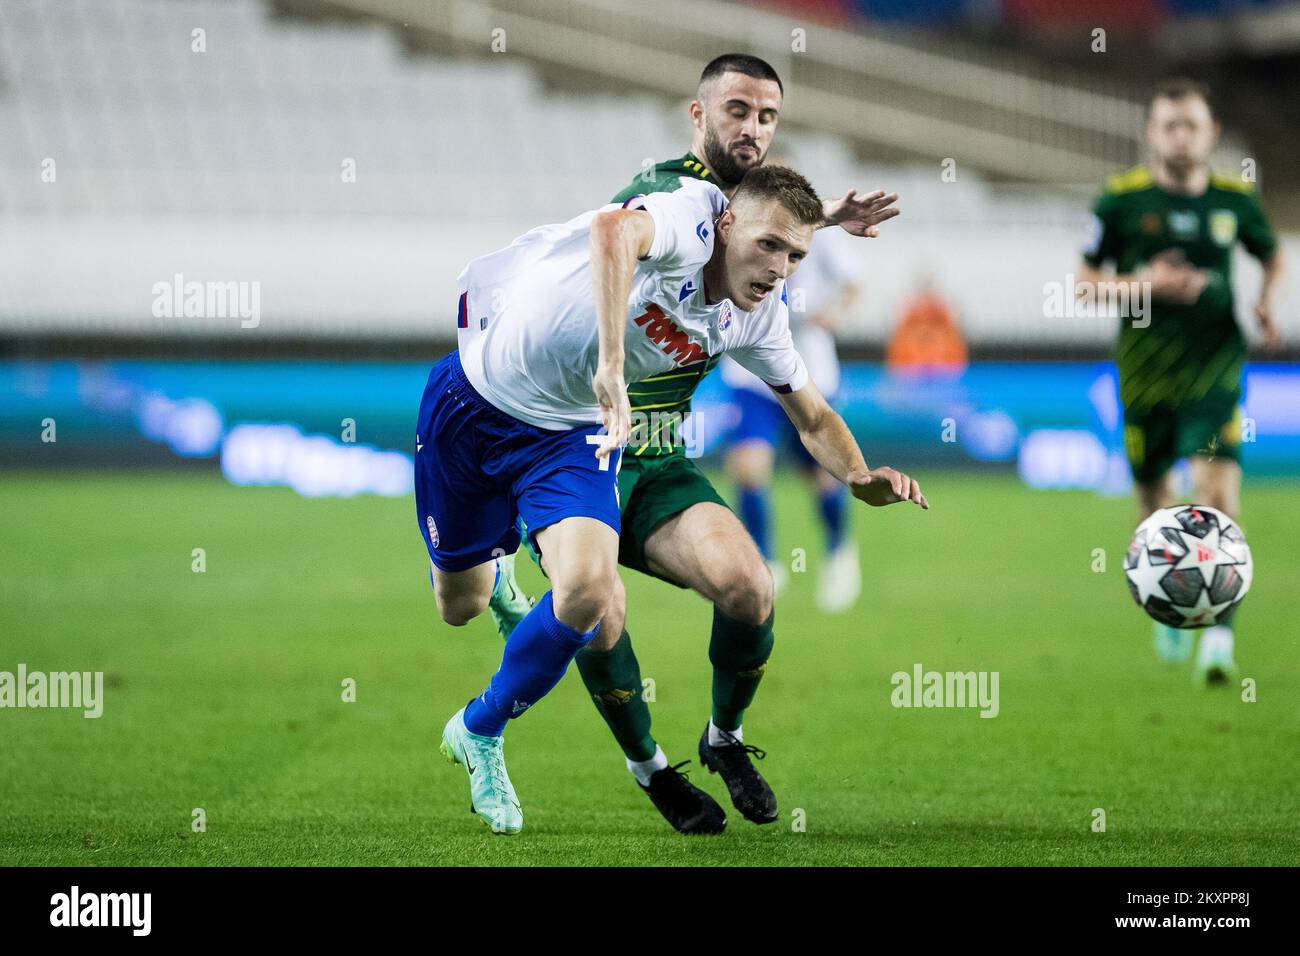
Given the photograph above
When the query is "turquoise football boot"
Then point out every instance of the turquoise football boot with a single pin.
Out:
(491, 794)
(509, 604)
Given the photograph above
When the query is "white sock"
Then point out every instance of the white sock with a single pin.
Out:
(643, 769)
(1216, 639)
(718, 738)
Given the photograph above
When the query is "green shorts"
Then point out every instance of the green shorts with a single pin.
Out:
(1155, 438)
(650, 491)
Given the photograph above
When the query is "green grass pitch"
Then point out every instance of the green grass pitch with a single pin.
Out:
(224, 693)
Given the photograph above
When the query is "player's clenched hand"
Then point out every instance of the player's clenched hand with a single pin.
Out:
(886, 486)
(1173, 278)
(861, 215)
(1264, 314)
(615, 412)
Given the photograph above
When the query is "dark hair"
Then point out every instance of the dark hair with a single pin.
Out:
(784, 185)
(1180, 88)
(740, 63)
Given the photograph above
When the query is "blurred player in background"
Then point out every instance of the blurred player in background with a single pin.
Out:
(675, 526)
(822, 292)
(1171, 226)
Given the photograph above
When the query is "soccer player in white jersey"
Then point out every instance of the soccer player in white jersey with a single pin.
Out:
(825, 287)
(675, 525)
(528, 416)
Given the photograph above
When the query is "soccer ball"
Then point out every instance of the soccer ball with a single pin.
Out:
(1188, 566)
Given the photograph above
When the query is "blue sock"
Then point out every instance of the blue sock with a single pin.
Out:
(536, 657)
(756, 513)
(832, 506)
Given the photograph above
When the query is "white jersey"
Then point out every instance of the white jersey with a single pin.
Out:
(527, 330)
(832, 262)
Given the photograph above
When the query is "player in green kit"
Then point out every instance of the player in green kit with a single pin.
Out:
(1170, 228)
(675, 526)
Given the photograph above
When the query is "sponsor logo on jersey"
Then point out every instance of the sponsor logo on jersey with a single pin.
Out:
(1183, 223)
(433, 530)
(663, 332)
(1223, 226)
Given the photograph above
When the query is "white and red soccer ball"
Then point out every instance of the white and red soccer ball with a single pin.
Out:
(1188, 566)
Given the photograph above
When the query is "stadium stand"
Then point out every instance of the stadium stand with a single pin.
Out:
(351, 180)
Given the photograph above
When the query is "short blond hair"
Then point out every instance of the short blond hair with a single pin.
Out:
(784, 185)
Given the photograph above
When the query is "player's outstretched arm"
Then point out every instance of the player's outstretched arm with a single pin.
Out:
(860, 215)
(830, 442)
(619, 238)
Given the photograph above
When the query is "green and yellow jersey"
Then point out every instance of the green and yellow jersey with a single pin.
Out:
(664, 400)
(1188, 353)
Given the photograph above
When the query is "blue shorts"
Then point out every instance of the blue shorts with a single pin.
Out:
(478, 469)
(763, 419)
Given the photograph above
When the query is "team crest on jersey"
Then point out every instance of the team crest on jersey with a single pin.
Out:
(1223, 226)
(724, 322)
(433, 530)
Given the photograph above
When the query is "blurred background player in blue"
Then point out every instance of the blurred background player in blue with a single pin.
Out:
(823, 290)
